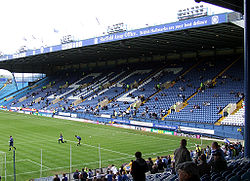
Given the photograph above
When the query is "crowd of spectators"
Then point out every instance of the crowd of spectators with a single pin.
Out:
(188, 165)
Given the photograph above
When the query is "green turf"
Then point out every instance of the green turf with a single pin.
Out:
(33, 133)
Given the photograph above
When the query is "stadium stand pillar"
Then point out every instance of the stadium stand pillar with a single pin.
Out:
(246, 85)
(14, 79)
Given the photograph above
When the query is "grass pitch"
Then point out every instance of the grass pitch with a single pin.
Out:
(34, 133)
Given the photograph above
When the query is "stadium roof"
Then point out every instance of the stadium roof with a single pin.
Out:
(193, 38)
(235, 5)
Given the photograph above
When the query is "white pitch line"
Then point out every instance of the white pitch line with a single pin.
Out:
(29, 160)
(22, 160)
(101, 148)
(36, 163)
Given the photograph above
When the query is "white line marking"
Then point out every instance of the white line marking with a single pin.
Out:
(22, 160)
(101, 148)
(36, 163)
(29, 160)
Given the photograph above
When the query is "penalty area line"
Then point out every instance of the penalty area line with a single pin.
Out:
(105, 149)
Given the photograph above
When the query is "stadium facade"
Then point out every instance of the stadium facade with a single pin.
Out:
(124, 65)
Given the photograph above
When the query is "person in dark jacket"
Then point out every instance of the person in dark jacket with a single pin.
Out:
(150, 164)
(76, 174)
(56, 178)
(181, 154)
(83, 175)
(139, 168)
(218, 163)
(204, 168)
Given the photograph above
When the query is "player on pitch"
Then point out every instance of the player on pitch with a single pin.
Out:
(11, 143)
(79, 140)
(61, 139)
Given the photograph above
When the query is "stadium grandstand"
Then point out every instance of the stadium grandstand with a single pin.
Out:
(188, 77)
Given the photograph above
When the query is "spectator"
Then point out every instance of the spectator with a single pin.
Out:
(191, 154)
(98, 175)
(154, 169)
(181, 154)
(164, 161)
(139, 168)
(56, 178)
(218, 162)
(198, 151)
(204, 168)
(119, 176)
(83, 175)
(150, 164)
(113, 169)
(157, 160)
(216, 148)
(64, 178)
(124, 176)
(160, 165)
(208, 151)
(109, 176)
(188, 171)
(90, 173)
(121, 169)
(169, 160)
(130, 163)
(76, 174)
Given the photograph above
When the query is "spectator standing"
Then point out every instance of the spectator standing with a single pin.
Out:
(208, 151)
(98, 175)
(165, 161)
(90, 174)
(56, 178)
(109, 176)
(64, 178)
(113, 169)
(124, 176)
(150, 164)
(119, 176)
(83, 175)
(76, 174)
(139, 168)
(181, 154)
(169, 161)
(198, 151)
(160, 166)
(121, 169)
